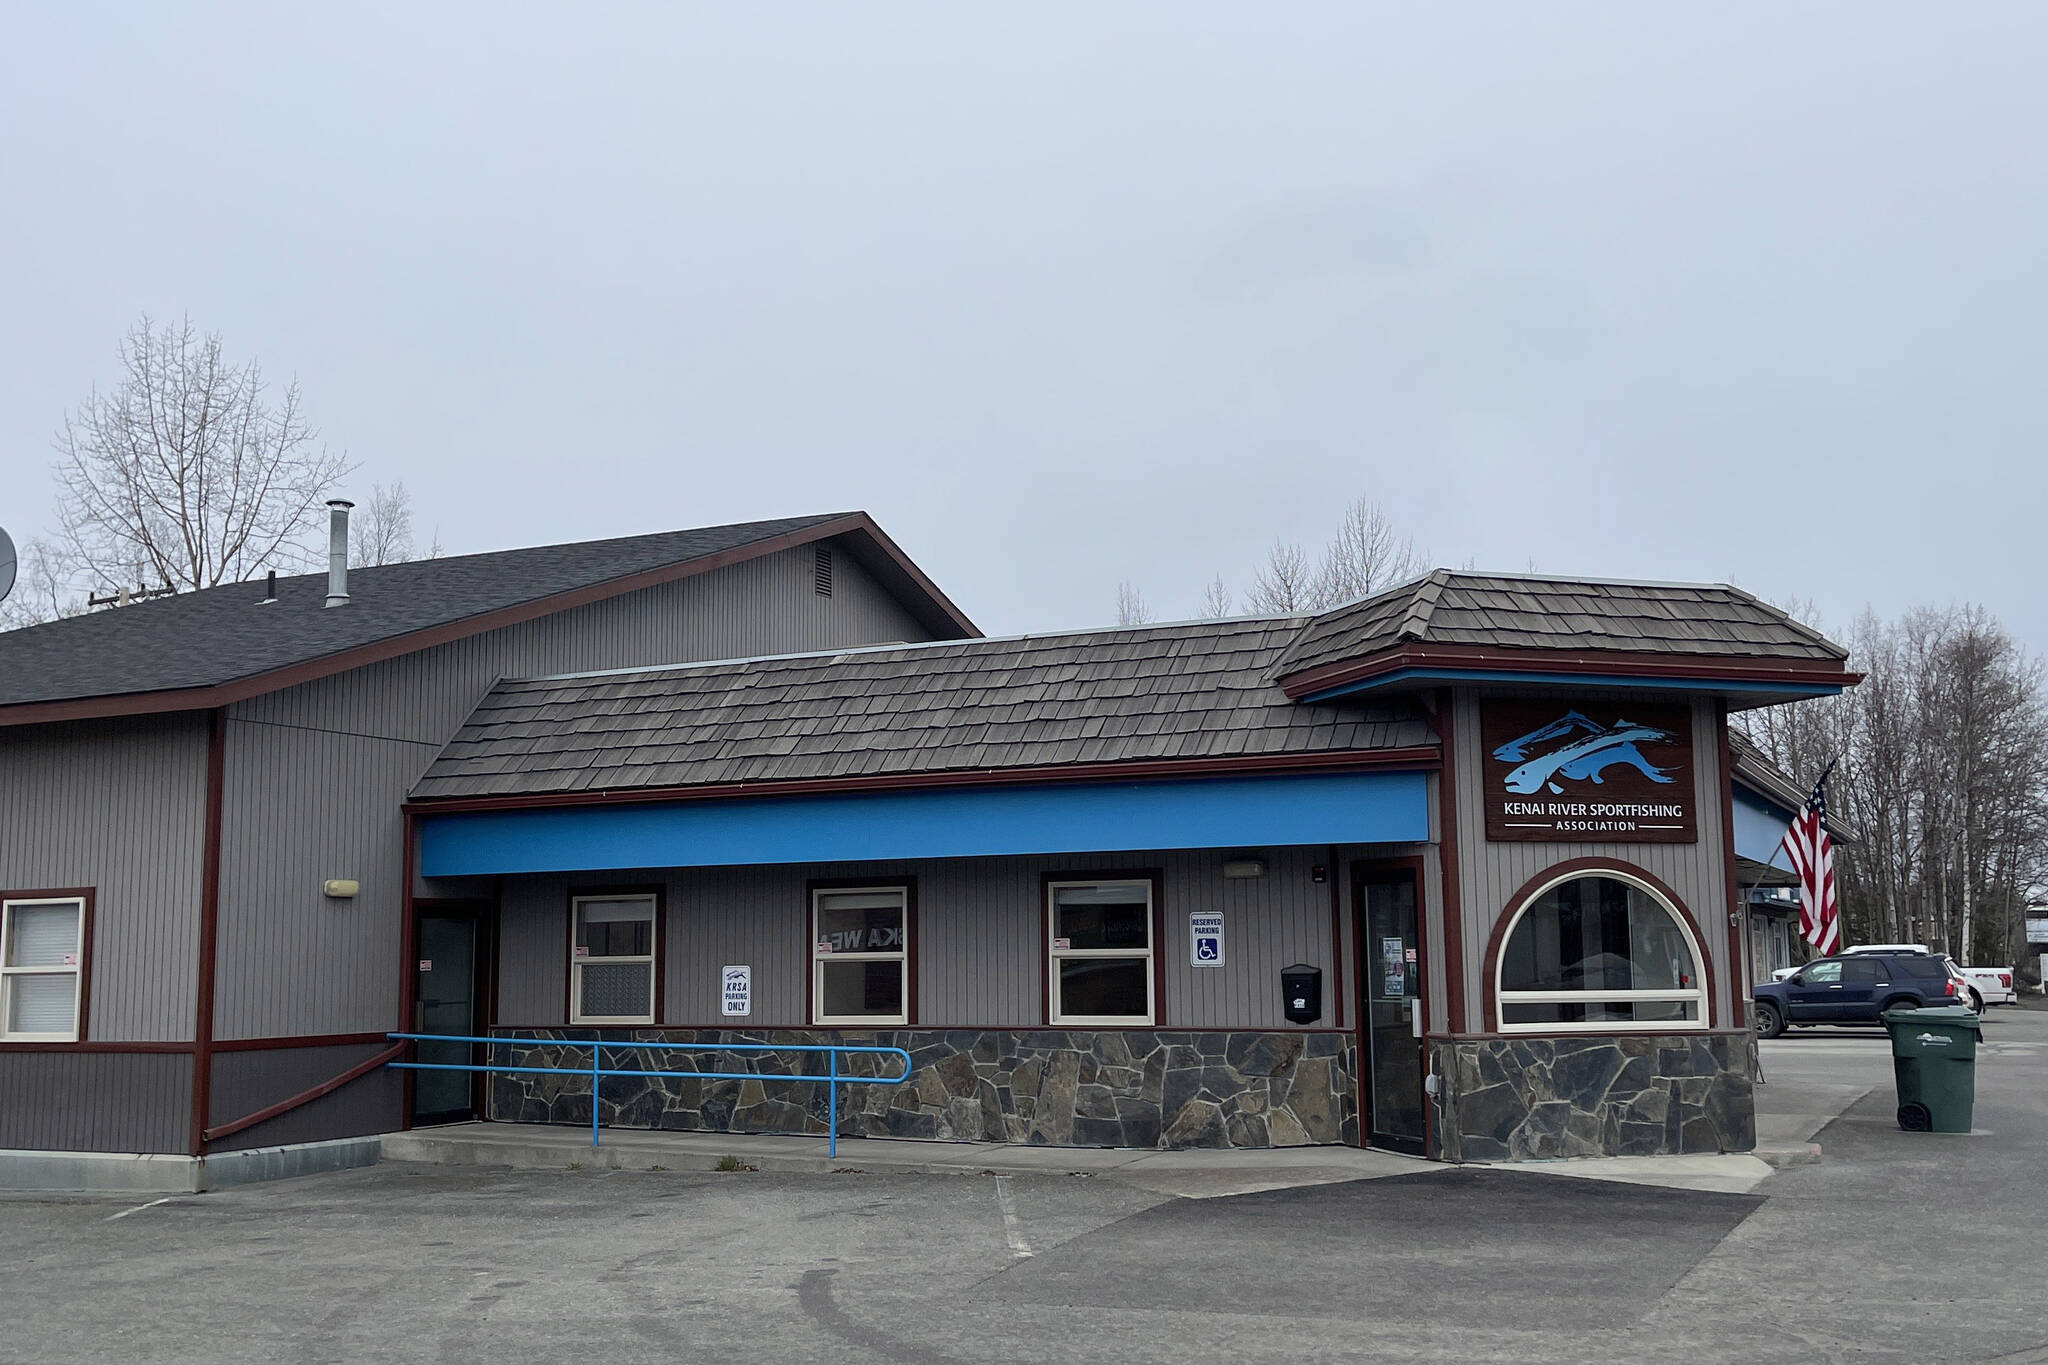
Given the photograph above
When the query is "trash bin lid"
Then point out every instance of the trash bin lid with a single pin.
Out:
(1949, 1016)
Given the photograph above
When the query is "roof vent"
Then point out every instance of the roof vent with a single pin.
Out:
(821, 571)
(337, 551)
(269, 589)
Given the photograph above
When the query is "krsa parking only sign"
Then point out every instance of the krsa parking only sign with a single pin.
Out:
(1205, 938)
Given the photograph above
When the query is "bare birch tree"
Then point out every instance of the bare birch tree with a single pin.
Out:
(1367, 555)
(1130, 606)
(1943, 779)
(1216, 599)
(1284, 582)
(380, 531)
(186, 474)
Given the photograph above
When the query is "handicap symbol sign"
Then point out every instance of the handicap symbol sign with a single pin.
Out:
(1205, 938)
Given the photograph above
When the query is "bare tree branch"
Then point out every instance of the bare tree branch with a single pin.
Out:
(1368, 555)
(380, 532)
(1216, 599)
(1130, 606)
(184, 475)
(1284, 582)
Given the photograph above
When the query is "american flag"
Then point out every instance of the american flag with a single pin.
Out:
(1812, 857)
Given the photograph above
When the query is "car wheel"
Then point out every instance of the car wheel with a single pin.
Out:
(1976, 1000)
(1769, 1022)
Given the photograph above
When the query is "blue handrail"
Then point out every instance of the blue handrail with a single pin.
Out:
(597, 1072)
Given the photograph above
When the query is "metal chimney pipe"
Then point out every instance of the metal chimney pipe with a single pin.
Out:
(337, 551)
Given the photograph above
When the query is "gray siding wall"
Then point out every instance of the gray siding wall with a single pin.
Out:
(95, 1101)
(244, 1082)
(1491, 873)
(979, 957)
(316, 773)
(119, 806)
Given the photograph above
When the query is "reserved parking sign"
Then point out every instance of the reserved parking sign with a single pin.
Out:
(1205, 938)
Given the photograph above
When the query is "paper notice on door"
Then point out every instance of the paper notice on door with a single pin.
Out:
(1394, 966)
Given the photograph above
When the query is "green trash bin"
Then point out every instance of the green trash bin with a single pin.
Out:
(1934, 1056)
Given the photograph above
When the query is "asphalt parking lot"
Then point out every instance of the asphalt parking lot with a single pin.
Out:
(1837, 1260)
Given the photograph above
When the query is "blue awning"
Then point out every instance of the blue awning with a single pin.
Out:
(958, 822)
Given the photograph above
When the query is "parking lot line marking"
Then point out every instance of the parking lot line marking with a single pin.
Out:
(140, 1207)
(1013, 1232)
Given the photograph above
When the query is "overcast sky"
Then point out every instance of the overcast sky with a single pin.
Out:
(1072, 294)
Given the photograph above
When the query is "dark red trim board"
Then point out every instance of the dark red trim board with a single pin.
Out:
(209, 930)
(1617, 663)
(1350, 760)
(328, 1087)
(1738, 978)
(196, 698)
(1491, 967)
(1448, 860)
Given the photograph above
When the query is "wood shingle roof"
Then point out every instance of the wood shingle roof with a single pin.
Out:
(1197, 691)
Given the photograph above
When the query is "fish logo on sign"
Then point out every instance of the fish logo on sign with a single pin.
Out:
(1588, 750)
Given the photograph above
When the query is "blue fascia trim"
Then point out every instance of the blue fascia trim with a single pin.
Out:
(1250, 812)
(1410, 675)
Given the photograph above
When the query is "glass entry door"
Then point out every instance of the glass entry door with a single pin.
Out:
(447, 997)
(1390, 947)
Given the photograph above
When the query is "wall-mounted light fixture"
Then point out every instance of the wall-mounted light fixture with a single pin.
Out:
(1238, 868)
(340, 889)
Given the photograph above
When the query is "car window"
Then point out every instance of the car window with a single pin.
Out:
(1822, 973)
(1926, 968)
(1865, 969)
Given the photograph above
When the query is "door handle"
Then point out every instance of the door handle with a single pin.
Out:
(1415, 1016)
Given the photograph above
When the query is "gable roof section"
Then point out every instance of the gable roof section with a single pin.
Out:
(221, 644)
(1446, 616)
(1768, 782)
(1137, 701)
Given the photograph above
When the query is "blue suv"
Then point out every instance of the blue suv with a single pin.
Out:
(1852, 989)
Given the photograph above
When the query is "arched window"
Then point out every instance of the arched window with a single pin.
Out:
(1596, 951)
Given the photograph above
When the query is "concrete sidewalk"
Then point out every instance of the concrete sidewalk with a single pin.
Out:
(1188, 1174)
(1194, 1174)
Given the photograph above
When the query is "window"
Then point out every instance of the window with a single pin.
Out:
(1101, 952)
(1821, 974)
(860, 955)
(1599, 951)
(1864, 970)
(42, 980)
(611, 960)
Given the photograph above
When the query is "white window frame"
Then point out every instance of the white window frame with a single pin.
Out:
(1055, 955)
(577, 964)
(900, 956)
(1504, 998)
(76, 971)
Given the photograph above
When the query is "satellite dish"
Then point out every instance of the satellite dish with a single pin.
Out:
(6, 564)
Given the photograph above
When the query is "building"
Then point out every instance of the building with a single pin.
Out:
(1480, 828)
(184, 781)
(1766, 799)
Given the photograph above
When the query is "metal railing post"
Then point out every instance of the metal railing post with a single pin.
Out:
(832, 1103)
(594, 1075)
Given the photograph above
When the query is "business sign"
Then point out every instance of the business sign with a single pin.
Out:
(736, 990)
(1605, 772)
(1205, 938)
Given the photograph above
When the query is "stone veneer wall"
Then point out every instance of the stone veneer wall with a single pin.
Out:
(1078, 1088)
(1509, 1099)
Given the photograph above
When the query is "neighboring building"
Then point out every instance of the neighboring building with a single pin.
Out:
(1766, 799)
(1482, 825)
(182, 779)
